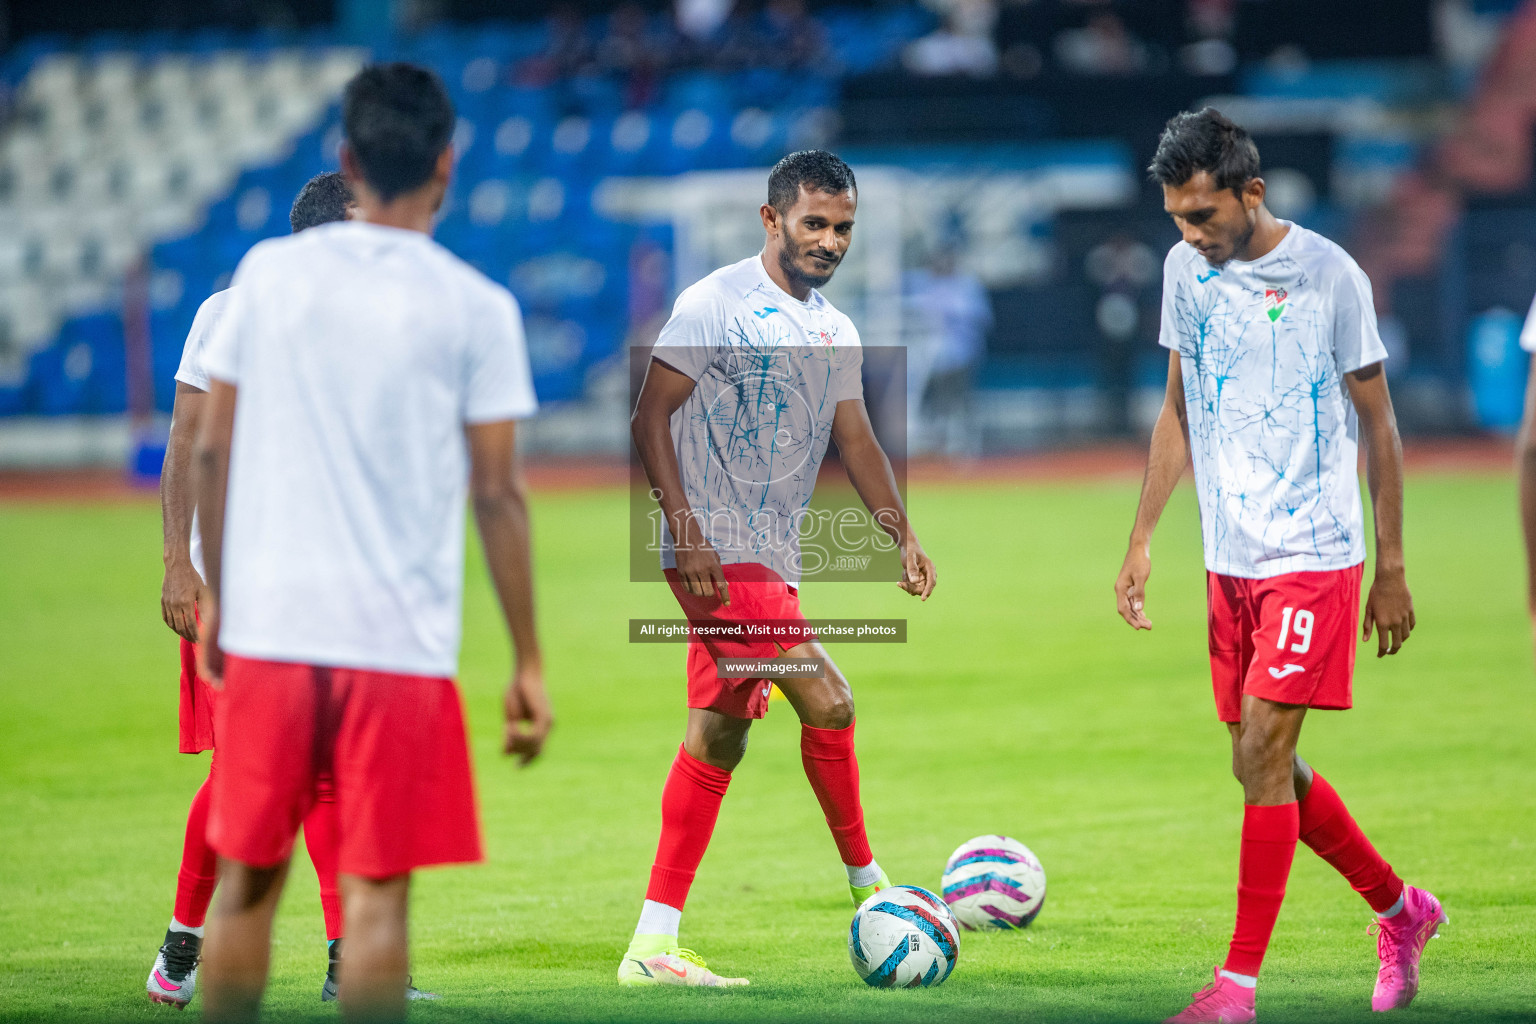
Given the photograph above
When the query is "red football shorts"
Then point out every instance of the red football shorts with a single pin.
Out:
(759, 597)
(197, 703)
(393, 745)
(1289, 639)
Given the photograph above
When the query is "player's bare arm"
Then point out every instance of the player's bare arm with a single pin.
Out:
(663, 393)
(210, 483)
(1389, 608)
(1525, 449)
(870, 473)
(501, 515)
(1165, 464)
(181, 589)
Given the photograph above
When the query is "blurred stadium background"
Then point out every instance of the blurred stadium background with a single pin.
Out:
(612, 153)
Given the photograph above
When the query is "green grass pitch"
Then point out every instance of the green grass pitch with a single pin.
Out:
(1020, 705)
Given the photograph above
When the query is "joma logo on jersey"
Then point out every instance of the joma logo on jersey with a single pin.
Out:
(762, 314)
(1274, 302)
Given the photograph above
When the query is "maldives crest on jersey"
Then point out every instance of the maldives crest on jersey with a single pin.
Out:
(824, 337)
(1274, 302)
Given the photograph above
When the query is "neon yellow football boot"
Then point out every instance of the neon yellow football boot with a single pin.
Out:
(864, 892)
(659, 960)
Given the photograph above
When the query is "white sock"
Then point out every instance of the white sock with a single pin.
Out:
(658, 919)
(1393, 910)
(869, 874)
(1245, 980)
(177, 926)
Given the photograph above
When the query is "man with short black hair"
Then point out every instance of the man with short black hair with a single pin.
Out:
(363, 379)
(1275, 370)
(750, 379)
(173, 978)
(324, 198)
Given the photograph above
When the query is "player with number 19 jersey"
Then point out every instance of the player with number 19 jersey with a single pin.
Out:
(1274, 376)
(1264, 347)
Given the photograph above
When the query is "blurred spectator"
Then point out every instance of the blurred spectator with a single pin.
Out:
(790, 37)
(1212, 19)
(951, 312)
(736, 44)
(1104, 46)
(568, 51)
(700, 20)
(1024, 29)
(963, 45)
(634, 53)
(1124, 268)
(722, 35)
(1211, 25)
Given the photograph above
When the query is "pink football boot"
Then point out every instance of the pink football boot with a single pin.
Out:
(1223, 1001)
(1400, 942)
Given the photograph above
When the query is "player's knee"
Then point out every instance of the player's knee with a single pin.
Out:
(723, 750)
(837, 713)
(1262, 754)
(726, 752)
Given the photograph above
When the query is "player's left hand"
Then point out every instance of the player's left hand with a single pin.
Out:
(1389, 610)
(180, 593)
(210, 659)
(918, 576)
(529, 718)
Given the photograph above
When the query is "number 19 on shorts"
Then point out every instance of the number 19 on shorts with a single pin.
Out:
(1299, 622)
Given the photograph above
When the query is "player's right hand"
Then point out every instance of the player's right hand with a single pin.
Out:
(1131, 587)
(529, 718)
(179, 595)
(699, 569)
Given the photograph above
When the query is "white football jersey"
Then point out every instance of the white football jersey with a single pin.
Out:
(191, 371)
(769, 372)
(1263, 347)
(360, 353)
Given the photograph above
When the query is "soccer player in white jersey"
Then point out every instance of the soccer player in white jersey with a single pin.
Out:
(1275, 370)
(173, 978)
(363, 379)
(751, 377)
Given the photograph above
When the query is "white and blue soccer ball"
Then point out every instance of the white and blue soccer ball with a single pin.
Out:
(993, 882)
(903, 937)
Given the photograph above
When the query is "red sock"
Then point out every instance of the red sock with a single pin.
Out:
(690, 804)
(1328, 827)
(1269, 845)
(834, 773)
(322, 836)
(199, 864)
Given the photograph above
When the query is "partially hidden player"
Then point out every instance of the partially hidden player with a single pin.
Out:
(173, 978)
(751, 377)
(1526, 451)
(363, 382)
(1274, 374)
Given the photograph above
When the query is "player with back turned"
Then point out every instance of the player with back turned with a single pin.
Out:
(363, 381)
(1274, 370)
(325, 198)
(751, 377)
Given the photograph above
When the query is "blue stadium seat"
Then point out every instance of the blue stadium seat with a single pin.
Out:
(84, 371)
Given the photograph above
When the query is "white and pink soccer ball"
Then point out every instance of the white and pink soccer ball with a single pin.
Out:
(993, 882)
(903, 937)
